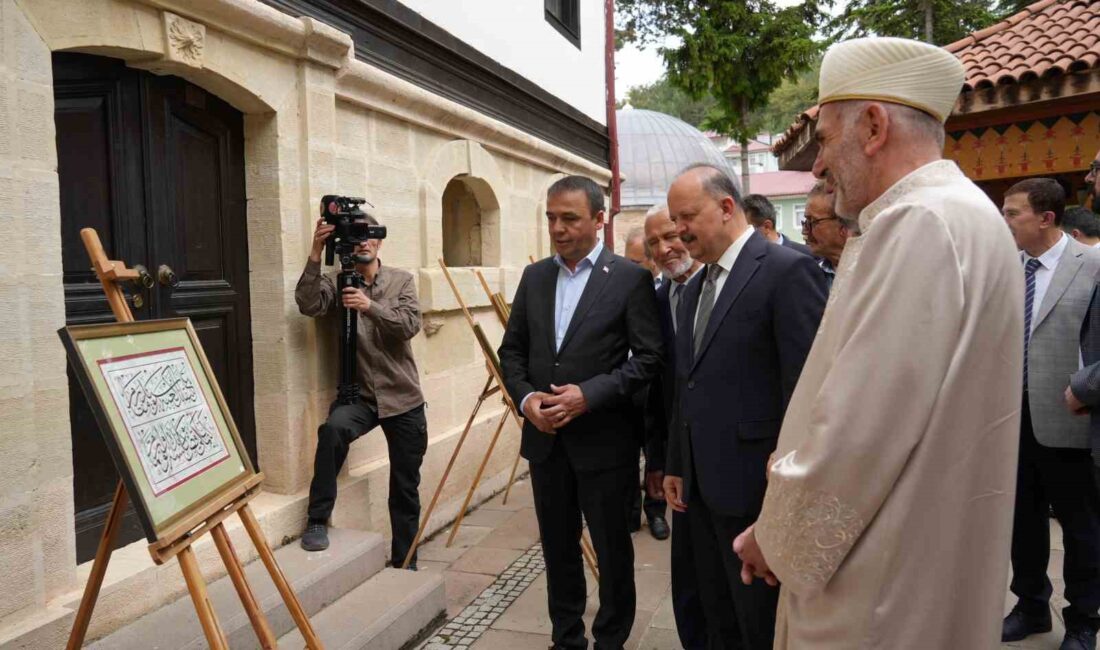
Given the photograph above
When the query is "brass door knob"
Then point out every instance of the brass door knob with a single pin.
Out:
(167, 277)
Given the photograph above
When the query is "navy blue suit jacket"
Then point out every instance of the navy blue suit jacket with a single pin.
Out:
(732, 396)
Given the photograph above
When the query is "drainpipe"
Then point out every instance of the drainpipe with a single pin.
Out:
(612, 128)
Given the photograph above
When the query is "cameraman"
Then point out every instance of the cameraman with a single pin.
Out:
(389, 316)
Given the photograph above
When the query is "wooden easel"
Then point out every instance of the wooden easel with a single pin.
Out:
(177, 541)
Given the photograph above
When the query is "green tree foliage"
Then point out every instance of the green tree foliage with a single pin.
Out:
(663, 97)
(935, 21)
(736, 51)
(789, 100)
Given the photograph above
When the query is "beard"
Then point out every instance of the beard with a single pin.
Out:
(679, 267)
(1092, 200)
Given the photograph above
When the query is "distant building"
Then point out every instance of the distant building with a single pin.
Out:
(1028, 105)
(787, 191)
(653, 148)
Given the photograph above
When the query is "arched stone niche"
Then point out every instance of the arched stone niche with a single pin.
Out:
(463, 200)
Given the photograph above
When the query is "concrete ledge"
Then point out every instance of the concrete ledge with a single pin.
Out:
(318, 578)
(436, 294)
(384, 613)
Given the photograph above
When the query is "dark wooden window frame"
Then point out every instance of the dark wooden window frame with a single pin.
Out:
(568, 23)
(394, 38)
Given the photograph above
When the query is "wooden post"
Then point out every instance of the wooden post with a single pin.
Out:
(236, 574)
(215, 638)
(485, 393)
(289, 597)
(477, 479)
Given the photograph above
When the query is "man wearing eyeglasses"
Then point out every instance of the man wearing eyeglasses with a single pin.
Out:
(825, 232)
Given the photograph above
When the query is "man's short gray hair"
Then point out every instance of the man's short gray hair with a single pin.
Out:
(913, 123)
(657, 209)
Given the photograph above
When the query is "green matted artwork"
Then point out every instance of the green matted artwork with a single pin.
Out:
(162, 415)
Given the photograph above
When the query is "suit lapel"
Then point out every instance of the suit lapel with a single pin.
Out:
(597, 280)
(685, 330)
(1068, 266)
(748, 261)
(548, 286)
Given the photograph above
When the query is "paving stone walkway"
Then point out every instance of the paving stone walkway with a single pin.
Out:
(496, 584)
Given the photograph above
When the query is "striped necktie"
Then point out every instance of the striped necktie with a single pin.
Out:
(1030, 267)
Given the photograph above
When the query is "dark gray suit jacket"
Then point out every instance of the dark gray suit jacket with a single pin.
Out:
(1086, 381)
(615, 316)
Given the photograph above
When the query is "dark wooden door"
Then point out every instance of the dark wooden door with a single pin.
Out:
(156, 166)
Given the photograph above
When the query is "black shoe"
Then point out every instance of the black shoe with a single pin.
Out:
(658, 527)
(1019, 625)
(1079, 639)
(635, 525)
(316, 537)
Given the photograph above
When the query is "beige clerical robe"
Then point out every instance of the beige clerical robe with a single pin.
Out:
(888, 515)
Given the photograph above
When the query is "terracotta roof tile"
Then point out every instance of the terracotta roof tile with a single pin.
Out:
(1046, 39)
(1049, 37)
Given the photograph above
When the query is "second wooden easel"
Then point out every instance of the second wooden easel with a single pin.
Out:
(177, 541)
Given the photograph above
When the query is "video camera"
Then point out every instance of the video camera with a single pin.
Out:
(352, 227)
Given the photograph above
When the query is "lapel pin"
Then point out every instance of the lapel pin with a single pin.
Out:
(605, 270)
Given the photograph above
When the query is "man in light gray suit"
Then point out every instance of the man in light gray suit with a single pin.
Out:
(1055, 466)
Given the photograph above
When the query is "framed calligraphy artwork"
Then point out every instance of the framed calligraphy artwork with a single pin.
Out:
(162, 415)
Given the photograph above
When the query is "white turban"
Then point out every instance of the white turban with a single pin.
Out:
(895, 70)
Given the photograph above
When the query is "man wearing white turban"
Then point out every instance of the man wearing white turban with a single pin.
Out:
(888, 513)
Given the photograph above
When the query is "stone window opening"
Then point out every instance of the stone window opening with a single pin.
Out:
(470, 216)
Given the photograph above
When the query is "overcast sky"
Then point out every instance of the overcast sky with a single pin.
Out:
(634, 67)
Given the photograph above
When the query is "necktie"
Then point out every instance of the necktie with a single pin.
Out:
(675, 301)
(706, 304)
(1029, 302)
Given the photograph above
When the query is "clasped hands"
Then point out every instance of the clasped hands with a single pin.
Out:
(554, 410)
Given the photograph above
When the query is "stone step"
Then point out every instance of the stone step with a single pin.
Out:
(387, 612)
(318, 579)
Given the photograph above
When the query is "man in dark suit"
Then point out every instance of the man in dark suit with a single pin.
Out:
(636, 250)
(672, 257)
(743, 336)
(761, 214)
(582, 339)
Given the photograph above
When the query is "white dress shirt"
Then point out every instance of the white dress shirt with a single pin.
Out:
(570, 288)
(726, 263)
(1048, 262)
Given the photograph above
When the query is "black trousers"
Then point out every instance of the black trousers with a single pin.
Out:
(739, 616)
(642, 501)
(687, 602)
(561, 495)
(1061, 479)
(407, 440)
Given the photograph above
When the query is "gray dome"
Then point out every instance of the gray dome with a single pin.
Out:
(653, 148)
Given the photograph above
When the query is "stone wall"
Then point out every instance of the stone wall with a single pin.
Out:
(316, 122)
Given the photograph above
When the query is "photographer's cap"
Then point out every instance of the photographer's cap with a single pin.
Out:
(894, 70)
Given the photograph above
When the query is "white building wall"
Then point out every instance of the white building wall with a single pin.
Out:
(517, 35)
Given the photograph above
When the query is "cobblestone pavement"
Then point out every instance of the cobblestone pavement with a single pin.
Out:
(496, 585)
